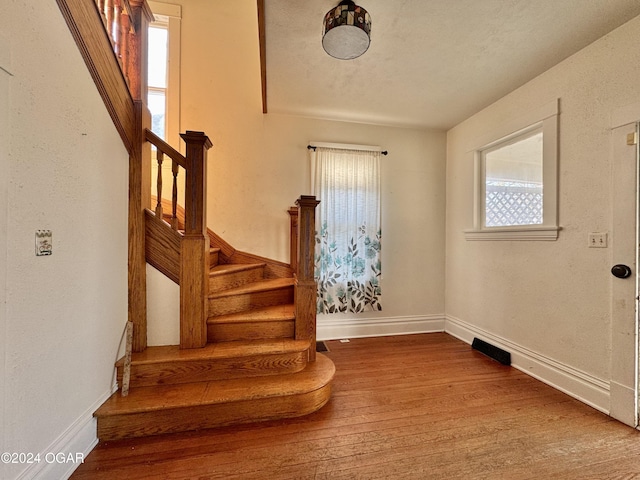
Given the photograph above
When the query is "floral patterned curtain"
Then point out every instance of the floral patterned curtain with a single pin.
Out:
(348, 242)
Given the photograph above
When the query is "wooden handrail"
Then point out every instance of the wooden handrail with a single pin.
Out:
(165, 148)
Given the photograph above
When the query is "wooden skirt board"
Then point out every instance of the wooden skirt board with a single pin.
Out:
(416, 406)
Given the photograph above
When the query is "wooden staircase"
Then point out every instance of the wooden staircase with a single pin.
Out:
(247, 323)
(252, 368)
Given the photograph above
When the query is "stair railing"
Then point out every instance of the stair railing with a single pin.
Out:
(125, 34)
(118, 65)
(303, 240)
(194, 243)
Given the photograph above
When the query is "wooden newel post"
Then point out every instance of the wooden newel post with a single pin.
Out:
(305, 287)
(139, 173)
(139, 199)
(293, 245)
(194, 257)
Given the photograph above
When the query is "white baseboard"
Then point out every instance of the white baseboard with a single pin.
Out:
(580, 385)
(76, 442)
(331, 328)
(623, 404)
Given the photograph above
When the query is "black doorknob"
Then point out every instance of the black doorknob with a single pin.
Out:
(621, 271)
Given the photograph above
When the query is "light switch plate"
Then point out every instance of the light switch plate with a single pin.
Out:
(44, 243)
(597, 240)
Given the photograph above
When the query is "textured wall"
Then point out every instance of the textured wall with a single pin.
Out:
(66, 171)
(5, 63)
(553, 298)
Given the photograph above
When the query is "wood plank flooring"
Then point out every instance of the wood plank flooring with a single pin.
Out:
(416, 406)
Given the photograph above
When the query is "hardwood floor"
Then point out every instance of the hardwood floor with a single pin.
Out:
(417, 406)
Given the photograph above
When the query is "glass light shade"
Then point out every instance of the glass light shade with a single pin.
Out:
(347, 30)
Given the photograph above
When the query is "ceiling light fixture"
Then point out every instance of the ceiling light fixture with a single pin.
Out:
(347, 30)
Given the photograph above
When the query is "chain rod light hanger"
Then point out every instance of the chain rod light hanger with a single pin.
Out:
(347, 31)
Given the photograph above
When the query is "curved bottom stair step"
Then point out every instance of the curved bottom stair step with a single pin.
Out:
(167, 365)
(194, 406)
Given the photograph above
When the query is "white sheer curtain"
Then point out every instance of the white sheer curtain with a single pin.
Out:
(348, 239)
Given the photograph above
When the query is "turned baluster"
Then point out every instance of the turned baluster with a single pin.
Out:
(125, 27)
(174, 197)
(160, 156)
(101, 9)
(109, 10)
(115, 27)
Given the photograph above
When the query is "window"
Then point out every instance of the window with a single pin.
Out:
(513, 182)
(346, 180)
(157, 95)
(164, 71)
(516, 181)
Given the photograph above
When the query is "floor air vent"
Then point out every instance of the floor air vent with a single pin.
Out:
(492, 351)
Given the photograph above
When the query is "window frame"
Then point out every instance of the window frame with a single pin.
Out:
(546, 120)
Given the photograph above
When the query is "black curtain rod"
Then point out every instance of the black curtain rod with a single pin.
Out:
(313, 147)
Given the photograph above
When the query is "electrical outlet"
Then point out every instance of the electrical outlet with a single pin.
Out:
(44, 242)
(597, 240)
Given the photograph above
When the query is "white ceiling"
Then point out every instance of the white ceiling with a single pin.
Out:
(431, 63)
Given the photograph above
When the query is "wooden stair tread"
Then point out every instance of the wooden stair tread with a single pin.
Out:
(216, 351)
(261, 286)
(274, 313)
(154, 398)
(225, 268)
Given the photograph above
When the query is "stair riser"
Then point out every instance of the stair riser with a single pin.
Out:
(218, 283)
(214, 258)
(249, 331)
(249, 301)
(159, 422)
(222, 369)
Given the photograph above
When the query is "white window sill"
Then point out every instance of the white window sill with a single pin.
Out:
(540, 233)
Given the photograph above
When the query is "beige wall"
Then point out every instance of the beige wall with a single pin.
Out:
(552, 299)
(5, 63)
(259, 165)
(63, 168)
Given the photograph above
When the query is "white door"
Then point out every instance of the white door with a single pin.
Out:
(624, 277)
